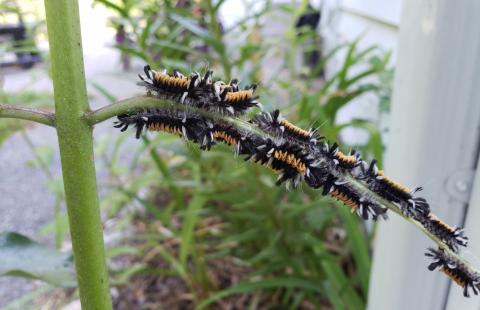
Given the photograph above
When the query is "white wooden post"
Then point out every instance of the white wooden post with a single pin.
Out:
(433, 142)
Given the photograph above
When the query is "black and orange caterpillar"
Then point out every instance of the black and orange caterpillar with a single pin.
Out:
(359, 202)
(186, 124)
(455, 270)
(289, 160)
(201, 92)
(277, 125)
(393, 191)
(340, 159)
(452, 236)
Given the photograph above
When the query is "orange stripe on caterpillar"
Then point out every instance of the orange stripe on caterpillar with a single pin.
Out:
(296, 130)
(454, 276)
(342, 197)
(164, 127)
(456, 270)
(239, 96)
(166, 79)
(224, 136)
(453, 237)
(349, 160)
(290, 160)
(439, 222)
(392, 183)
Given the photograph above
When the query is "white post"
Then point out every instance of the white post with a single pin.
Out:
(433, 142)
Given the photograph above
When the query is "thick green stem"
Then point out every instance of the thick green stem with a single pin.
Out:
(124, 106)
(42, 117)
(141, 102)
(76, 152)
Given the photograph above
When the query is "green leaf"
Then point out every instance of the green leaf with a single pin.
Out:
(284, 282)
(104, 92)
(336, 276)
(23, 257)
(191, 25)
(203, 33)
(134, 52)
(174, 263)
(344, 96)
(361, 55)
(109, 4)
(189, 222)
(147, 32)
(164, 44)
(358, 243)
(347, 64)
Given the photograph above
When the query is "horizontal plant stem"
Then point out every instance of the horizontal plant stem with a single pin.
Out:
(394, 208)
(131, 104)
(124, 106)
(140, 102)
(28, 114)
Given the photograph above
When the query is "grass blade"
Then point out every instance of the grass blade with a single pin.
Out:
(283, 282)
(188, 226)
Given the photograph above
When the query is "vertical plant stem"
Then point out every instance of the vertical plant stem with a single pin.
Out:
(76, 152)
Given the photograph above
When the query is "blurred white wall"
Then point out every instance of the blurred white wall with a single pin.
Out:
(434, 136)
(375, 20)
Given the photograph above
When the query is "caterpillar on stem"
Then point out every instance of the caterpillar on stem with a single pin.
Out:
(455, 270)
(200, 91)
(209, 114)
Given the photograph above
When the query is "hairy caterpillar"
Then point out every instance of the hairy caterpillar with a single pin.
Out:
(453, 237)
(289, 160)
(231, 136)
(186, 124)
(394, 191)
(455, 270)
(277, 125)
(364, 205)
(340, 159)
(201, 92)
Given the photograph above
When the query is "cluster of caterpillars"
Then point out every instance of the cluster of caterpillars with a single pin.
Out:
(200, 91)
(294, 153)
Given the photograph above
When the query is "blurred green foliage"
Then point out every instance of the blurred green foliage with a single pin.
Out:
(216, 224)
(198, 208)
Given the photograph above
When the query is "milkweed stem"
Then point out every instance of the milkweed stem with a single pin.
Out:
(28, 114)
(76, 153)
